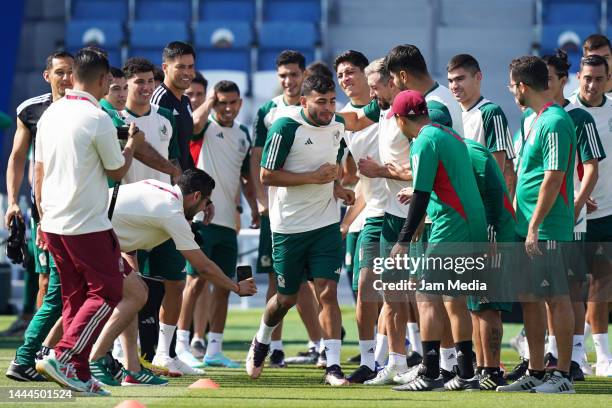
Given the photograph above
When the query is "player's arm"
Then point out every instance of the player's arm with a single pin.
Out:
(353, 211)
(546, 197)
(355, 121)
(211, 272)
(149, 156)
(416, 214)
(369, 167)
(106, 146)
(248, 189)
(510, 177)
(260, 133)
(200, 115)
(500, 158)
(587, 185)
(15, 170)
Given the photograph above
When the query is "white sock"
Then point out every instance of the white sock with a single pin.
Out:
(215, 344)
(601, 347)
(587, 330)
(276, 345)
(264, 334)
(182, 341)
(578, 348)
(526, 350)
(382, 348)
(448, 358)
(366, 350)
(312, 344)
(551, 347)
(398, 361)
(166, 332)
(414, 336)
(195, 339)
(332, 351)
(322, 345)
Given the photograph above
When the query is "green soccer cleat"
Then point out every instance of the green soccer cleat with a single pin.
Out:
(144, 377)
(101, 372)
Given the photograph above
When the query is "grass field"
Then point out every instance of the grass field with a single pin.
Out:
(301, 386)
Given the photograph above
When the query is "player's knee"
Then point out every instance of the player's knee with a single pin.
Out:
(328, 295)
(286, 302)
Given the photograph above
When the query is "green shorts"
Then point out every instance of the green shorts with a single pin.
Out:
(264, 251)
(350, 250)
(479, 304)
(599, 240)
(42, 259)
(368, 246)
(318, 251)
(164, 262)
(220, 244)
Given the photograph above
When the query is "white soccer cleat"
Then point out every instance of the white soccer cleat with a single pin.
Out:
(176, 366)
(555, 384)
(384, 376)
(189, 359)
(524, 384)
(256, 358)
(407, 376)
(603, 368)
(585, 366)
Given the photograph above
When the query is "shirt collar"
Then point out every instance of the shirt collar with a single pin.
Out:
(83, 94)
(178, 192)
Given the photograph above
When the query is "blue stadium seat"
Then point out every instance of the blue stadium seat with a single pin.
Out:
(294, 10)
(572, 12)
(283, 35)
(236, 57)
(223, 59)
(115, 10)
(108, 34)
(551, 34)
(242, 32)
(156, 10)
(227, 10)
(148, 38)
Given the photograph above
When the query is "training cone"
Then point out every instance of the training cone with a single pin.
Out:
(204, 383)
(130, 404)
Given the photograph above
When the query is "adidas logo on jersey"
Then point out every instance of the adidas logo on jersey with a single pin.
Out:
(544, 283)
(308, 142)
(371, 351)
(219, 135)
(451, 356)
(148, 320)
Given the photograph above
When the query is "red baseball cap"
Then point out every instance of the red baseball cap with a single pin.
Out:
(408, 103)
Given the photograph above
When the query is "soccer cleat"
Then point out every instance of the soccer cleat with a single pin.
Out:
(449, 375)
(489, 382)
(384, 376)
(157, 370)
(524, 384)
(361, 375)
(144, 377)
(575, 372)
(93, 388)
(256, 358)
(585, 366)
(189, 359)
(603, 368)
(16, 329)
(334, 376)
(555, 383)
(304, 357)
(63, 374)
(174, 366)
(422, 383)
(462, 384)
(198, 348)
(322, 360)
(550, 362)
(22, 372)
(113, 366)
(356, 359)
(100, 371)
(220, 360)
(518, 371)
(44, 352)
(407, 376)
(414, 359)
(277, 359)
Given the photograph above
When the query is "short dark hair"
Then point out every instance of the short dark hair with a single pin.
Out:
(594, 61)
(559, 61)
(89, 64)
(226, 87)
(595, 41)
(318, 83)
(319, 68)
(351, 56)
(199, 79)
(291, 57)
(54, 55)
(406, 57)
(158, 74)
(117, 72)
(193, 180)
(176, 49)
(465, 61)
(137, 65)
(531, 71)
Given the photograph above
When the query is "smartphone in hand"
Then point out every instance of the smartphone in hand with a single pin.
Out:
(244, 272)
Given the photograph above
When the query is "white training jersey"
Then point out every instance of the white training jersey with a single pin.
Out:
(441, 98)
(486, 123)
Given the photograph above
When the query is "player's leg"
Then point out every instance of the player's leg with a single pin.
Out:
(194, 286)
(201, 317)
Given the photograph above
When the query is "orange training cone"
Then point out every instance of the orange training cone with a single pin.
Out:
(204, 383)
(130, 404)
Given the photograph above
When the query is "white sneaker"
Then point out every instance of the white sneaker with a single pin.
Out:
(524, 384)
(406, 377)
(585, 366)
(117, 351)
(555, 384)
(189, 359)
(175, 366)
(385, 376)
(603, 368)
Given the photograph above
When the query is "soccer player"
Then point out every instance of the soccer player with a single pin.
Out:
(76, 149)
(222, 150)
(299, 163)
(545, 220)
(290, 66)
(117, 92)
(483, 121)
(158, 76)
(594, 75)
(58, 73)
(350, 66)
(197, 91)
(438, 155)
(599, 44)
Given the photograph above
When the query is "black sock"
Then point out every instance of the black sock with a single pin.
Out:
(148, 319)
(479, 369)
(431, 358)
(465, 359)
(492, 371)
(539, 374)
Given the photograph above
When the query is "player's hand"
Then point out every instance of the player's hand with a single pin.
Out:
(398, 250)
(209, 214)
(398, 171)
(577, 208)
(405, 195)
(13, 210)
(369, 167)
(531, 243)
(591, 205)
(247, 287)
(40, 239)
(136, 135)
(347, 196)
(210, 101)
(326, 173)
(419, 232)
(344, 231)
(255, 220)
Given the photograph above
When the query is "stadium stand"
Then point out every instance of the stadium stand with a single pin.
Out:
(227, 10)
(223, 45)
(148, 38)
